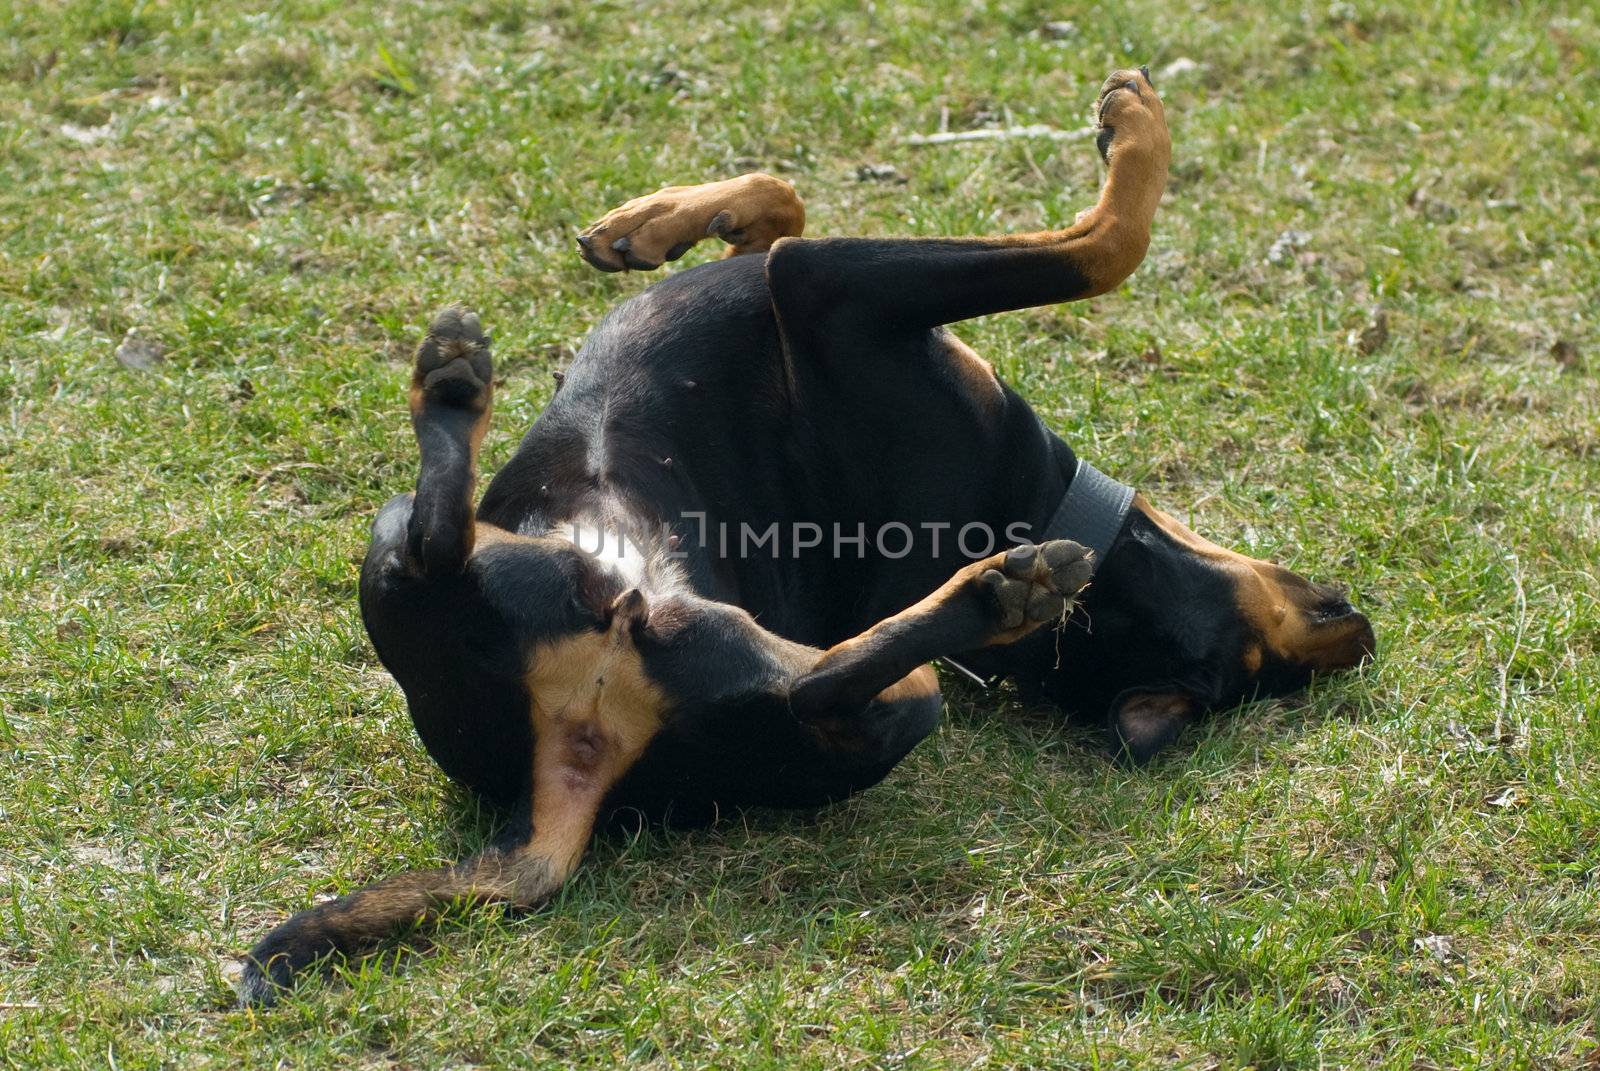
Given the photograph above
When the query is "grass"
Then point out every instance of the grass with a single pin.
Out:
(1397, 869)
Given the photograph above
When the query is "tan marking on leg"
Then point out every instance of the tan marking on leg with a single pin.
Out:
(1044, 582)
(749, 213)
(844, 733)
(920, 683)
(489, 535)
(975, 373)
(863, 644)
(1002, 598)
(1107, 242)
(485, 409)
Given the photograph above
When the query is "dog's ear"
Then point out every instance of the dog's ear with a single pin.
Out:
(628, 610)
(1144, 722)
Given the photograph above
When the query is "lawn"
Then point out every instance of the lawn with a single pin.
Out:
(1364, 343)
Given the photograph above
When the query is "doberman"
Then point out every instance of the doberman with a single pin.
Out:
(713, 576)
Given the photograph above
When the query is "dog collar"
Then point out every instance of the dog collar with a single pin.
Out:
(1091, 512)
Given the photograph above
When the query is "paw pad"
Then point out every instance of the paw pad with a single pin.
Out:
(1035, 584)
(453, 363)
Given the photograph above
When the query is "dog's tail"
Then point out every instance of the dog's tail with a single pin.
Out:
(452, 394)
(523, 875)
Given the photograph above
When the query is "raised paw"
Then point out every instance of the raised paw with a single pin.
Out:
(749, 213)
(642, 234)
(1031, 585)
(453, 366)
(1130, 116)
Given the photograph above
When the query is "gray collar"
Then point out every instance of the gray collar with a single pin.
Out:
(1091, 512)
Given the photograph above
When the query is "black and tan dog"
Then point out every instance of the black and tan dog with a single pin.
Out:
(599, 638)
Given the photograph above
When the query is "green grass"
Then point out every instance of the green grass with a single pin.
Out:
(197, 736)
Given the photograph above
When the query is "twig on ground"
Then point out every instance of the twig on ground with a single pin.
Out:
(1516, 643)
(1037, 130)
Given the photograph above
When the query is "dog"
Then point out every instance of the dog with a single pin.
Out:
(597, 641)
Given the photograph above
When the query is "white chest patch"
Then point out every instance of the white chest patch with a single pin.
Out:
(614, 549)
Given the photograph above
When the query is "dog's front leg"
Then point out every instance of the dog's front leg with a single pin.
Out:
(997, 600)
(749, 213)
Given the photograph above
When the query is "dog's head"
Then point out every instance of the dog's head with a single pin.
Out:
(1178, 625)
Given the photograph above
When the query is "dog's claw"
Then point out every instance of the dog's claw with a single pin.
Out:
(721, 226)
(587, 250)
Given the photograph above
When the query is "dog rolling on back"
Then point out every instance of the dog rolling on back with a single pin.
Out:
(653, 671)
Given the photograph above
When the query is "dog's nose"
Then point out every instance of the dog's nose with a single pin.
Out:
(1341, 637)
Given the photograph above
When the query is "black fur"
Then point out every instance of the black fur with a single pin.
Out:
(698, 397)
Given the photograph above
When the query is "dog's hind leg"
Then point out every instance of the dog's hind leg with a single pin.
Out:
(749, 213)
(426, 599)
(452, 391)
(858, 287)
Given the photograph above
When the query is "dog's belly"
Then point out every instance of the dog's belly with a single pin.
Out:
(819, 490)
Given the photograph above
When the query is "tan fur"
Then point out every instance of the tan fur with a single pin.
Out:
(842, 733)
(594, 710)
(1147, 719)
(975, 372)
(1275, 601)
(1109, 240)
(920, 683)
(964, 584)
(749, 212)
